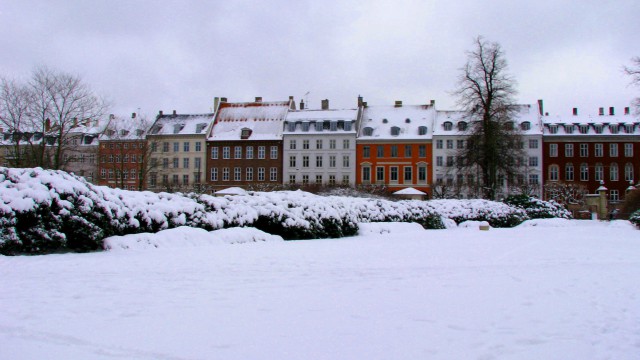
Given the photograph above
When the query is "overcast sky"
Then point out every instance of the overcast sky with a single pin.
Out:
(146, 56)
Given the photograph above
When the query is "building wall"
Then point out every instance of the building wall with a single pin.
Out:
(176, 167)
(325, 173)
(120, 163)
(384, 165)
(249, 168)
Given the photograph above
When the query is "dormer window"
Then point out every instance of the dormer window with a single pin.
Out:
(177, 128)
(568, 129)
(291, 126)
(200, 127)
(245, 133)
(319, 126)
(305, 126)
(508, 125)
(598, 128)
(613, 128)
(462, 126)
(448, 125)
(629, 128)
(367, 131)
(124, 132)
(584, 129)
(395, 131)
(334, 126)
(422, 130)
(347, 126)
(139, 132)
(525, 126)
(553, 129)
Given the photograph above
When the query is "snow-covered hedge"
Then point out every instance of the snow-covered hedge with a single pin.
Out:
(497, 214)
(538, 209)
(634, 218)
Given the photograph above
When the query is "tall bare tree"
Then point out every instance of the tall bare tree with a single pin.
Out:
(487, 93)
(59, 101)
(634, 72)
(15, 120)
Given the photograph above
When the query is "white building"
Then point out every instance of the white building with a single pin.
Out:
(450, 136)
(320, 146)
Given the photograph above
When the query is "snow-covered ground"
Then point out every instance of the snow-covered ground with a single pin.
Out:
(547, 289)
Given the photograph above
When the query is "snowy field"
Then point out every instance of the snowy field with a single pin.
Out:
(558, 290)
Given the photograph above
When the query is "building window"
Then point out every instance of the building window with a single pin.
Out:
(165, 163)
(533, 179)
(345, 161)
(198, 146)
(176, 163)
(185, 146)
(407, 151)
(332, 179)
(408, 175)
(459, 144)
(305, 144)
(393, 174)
(248, 174)
(318, 161)
(274, 152)
(380, 151)
(346, 144)
(449, 144)
(613, 150)
(226, 152)
(318, 179)
(533, 161)
(366, 174)
(260, 174)
(448, 126)
(599, 172)
(449, 161)
(261, 152)
(305, 179)
(380, 174)
(319, 144)
(332, 143)
(305, 161)
(422, 151)
(628, 150)
(439, 161)
(185, 163)
(292, 144)
(225, 174)
(176, 148)
(553, 173)
(613, 172)
(273, 174)
(438, 144)
(584, 150)
(553, 150)
(332, 161)
(568, 150)
(422, 174)
(366, 152)
(614, 195)
(568, 172)
(237, 152)
(249, 152)
(237, 174)
(292, 161)
(394, 151)
(628, 172)
(292, 178)
(599, 150)
(214, 152)
(185, 179)
(584, 172)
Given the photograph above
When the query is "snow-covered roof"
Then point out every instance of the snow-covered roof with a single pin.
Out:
(452, 122)
(126, 128)
(404, 122)
(181, 124)
(259, 120)
(409, 191)
(314, 121)
(589, 125)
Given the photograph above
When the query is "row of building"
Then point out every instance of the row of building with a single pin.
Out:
(267, 143)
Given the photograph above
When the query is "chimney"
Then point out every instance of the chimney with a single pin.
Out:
(432, 103)
(364, 104)
(301, 104)
(601, 111)
(627, 110)
(47, 125)
(398, 103)
(575, 111)
(174, 113)
(160, 113)
(223, 99)
(325, 104)
(360, 100)
(216, 102)
(133, 115)
(541, 107)
(611, 111)
(292, 103)
(258, 99)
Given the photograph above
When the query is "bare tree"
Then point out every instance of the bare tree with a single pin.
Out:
(486, 92)
(15, 121)
(59, 101)
(634, 72)
(565, 193)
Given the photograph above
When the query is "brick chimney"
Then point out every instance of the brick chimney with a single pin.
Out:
(575, 111)
(432, 103)
(133, 115)
(325, 104)
(601, 111)
(174, 113)
(541, 107)
(301, 104)
(292, 103)
(258, 99)
(611, 111)
(398, 103)
(360, 100)
(160, 113)
(627, 110)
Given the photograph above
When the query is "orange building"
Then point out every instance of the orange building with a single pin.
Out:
(394, 147)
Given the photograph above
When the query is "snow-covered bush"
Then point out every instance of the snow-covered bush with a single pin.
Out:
(634, 218)
(497, 214)
(538, 209)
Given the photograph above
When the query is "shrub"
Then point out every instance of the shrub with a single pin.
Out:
(631, 203)
(538, 209)
(635, 218)
(497, 214)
